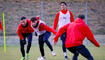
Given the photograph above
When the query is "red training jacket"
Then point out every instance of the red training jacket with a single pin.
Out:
(76, 32)
(22, 29)
(57, 18)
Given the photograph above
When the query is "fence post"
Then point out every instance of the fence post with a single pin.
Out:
(42, 7)
(86, 19)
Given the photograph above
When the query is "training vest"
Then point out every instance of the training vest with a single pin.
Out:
(63, 19)
(37, 29)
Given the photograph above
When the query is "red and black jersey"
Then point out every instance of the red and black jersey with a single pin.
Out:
(22, 29)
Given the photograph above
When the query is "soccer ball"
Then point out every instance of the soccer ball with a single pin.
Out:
(40, 58)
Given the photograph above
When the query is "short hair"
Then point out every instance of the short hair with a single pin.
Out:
(63, 3)
(81, 16)
(33, 19)
(23, 17)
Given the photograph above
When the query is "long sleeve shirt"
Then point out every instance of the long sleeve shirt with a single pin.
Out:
(22, 29)
(76, 32)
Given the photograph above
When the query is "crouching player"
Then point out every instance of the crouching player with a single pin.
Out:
(76, 32)
(25, 31)
(44, 32)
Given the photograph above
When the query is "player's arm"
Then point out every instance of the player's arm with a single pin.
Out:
(71, 17)
(60, 32)
(1, 26)
(19, 33)
(56, 21)
(90, 36)
(47, 28)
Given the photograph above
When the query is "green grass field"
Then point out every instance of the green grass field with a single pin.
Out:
(13, 53)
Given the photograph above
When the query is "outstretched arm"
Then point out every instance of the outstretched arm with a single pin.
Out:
(60, 32)
(47, 28)
(90, 37)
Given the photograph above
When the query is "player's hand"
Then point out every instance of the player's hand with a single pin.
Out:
(54, 42)
(36, 34)
(24, 41)
(97, 45)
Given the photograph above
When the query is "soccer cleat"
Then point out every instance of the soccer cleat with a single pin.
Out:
(41, 58)
(27, 55)
(66, 57)
(53, 53)
(22, 58)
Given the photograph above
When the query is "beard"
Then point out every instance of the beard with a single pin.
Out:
(25, 25)
(36, 25)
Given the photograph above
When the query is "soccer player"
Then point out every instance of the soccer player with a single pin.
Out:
(76, 33)
(63, 17)
(1, 28)
(25, 31)
(44, 32)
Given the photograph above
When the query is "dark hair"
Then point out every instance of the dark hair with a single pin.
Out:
(23, 18)
(63, 3)
(81, 16)
(33, 19)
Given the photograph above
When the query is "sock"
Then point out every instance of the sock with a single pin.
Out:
(43, 57)
(52, 51)
(65, 54)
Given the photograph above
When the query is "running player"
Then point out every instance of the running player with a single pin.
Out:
(44, 32)
(76, 33)
(25, 31)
